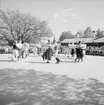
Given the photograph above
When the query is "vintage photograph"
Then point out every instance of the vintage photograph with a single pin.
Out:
(51, 52)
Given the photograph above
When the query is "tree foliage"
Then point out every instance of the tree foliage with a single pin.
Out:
(65, 35)
(99, 33)
(88, 33)
(80, 34)
(15, 25)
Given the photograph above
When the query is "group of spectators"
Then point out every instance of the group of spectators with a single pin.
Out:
(36, 49)
(95, 50)
(77, 50)
(90, 50)
(5, 49)
(18, 50)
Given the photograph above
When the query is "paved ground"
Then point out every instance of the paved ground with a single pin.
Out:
(30, 87)
(92, 67)
(19, 85)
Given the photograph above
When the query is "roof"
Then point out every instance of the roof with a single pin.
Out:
(99, 40)
(74, 40)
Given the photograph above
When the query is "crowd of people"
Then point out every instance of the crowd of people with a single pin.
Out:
(22, 50)
(73, 50)
(51, 50)
(5, 49)
(77, 50)
(95, 50)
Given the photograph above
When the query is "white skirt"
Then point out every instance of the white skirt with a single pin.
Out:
(56, 53)
(84, 52)
(15, 54)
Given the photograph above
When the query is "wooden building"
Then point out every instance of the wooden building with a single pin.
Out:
(75, 40)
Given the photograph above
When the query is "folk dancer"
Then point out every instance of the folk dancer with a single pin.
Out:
(39, 48)
(25, 49)
(84, 49)
(69, 50)
(48, 52)
(79, 52)
(56, 50)
(15, 52)
(35, 50)
(72, 50)
(20, 47)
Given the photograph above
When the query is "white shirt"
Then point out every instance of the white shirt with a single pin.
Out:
(84, 46)
(19, 45)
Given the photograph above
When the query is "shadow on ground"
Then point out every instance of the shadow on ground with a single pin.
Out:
(36, 62)
(30, 87)
(6, 61)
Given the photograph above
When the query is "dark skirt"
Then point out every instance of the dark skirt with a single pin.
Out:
(48, 54)
(79, 53)
(72, 51)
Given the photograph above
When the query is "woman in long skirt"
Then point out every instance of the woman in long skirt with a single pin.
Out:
(48, 53)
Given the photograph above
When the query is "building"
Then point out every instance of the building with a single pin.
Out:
(75, 40)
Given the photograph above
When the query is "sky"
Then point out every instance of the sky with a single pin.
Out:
(62, 15)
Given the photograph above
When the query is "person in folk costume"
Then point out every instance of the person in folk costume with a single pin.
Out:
(84, 49)
(72, 49)
(48, 52)
(75, 46)
(15, 52)
(56, 50)
(79, 52)
(39, 48)
(69, 50)
(6, 49)
(35, 50)
(28, 47)
(25, 49)
(20, 47)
